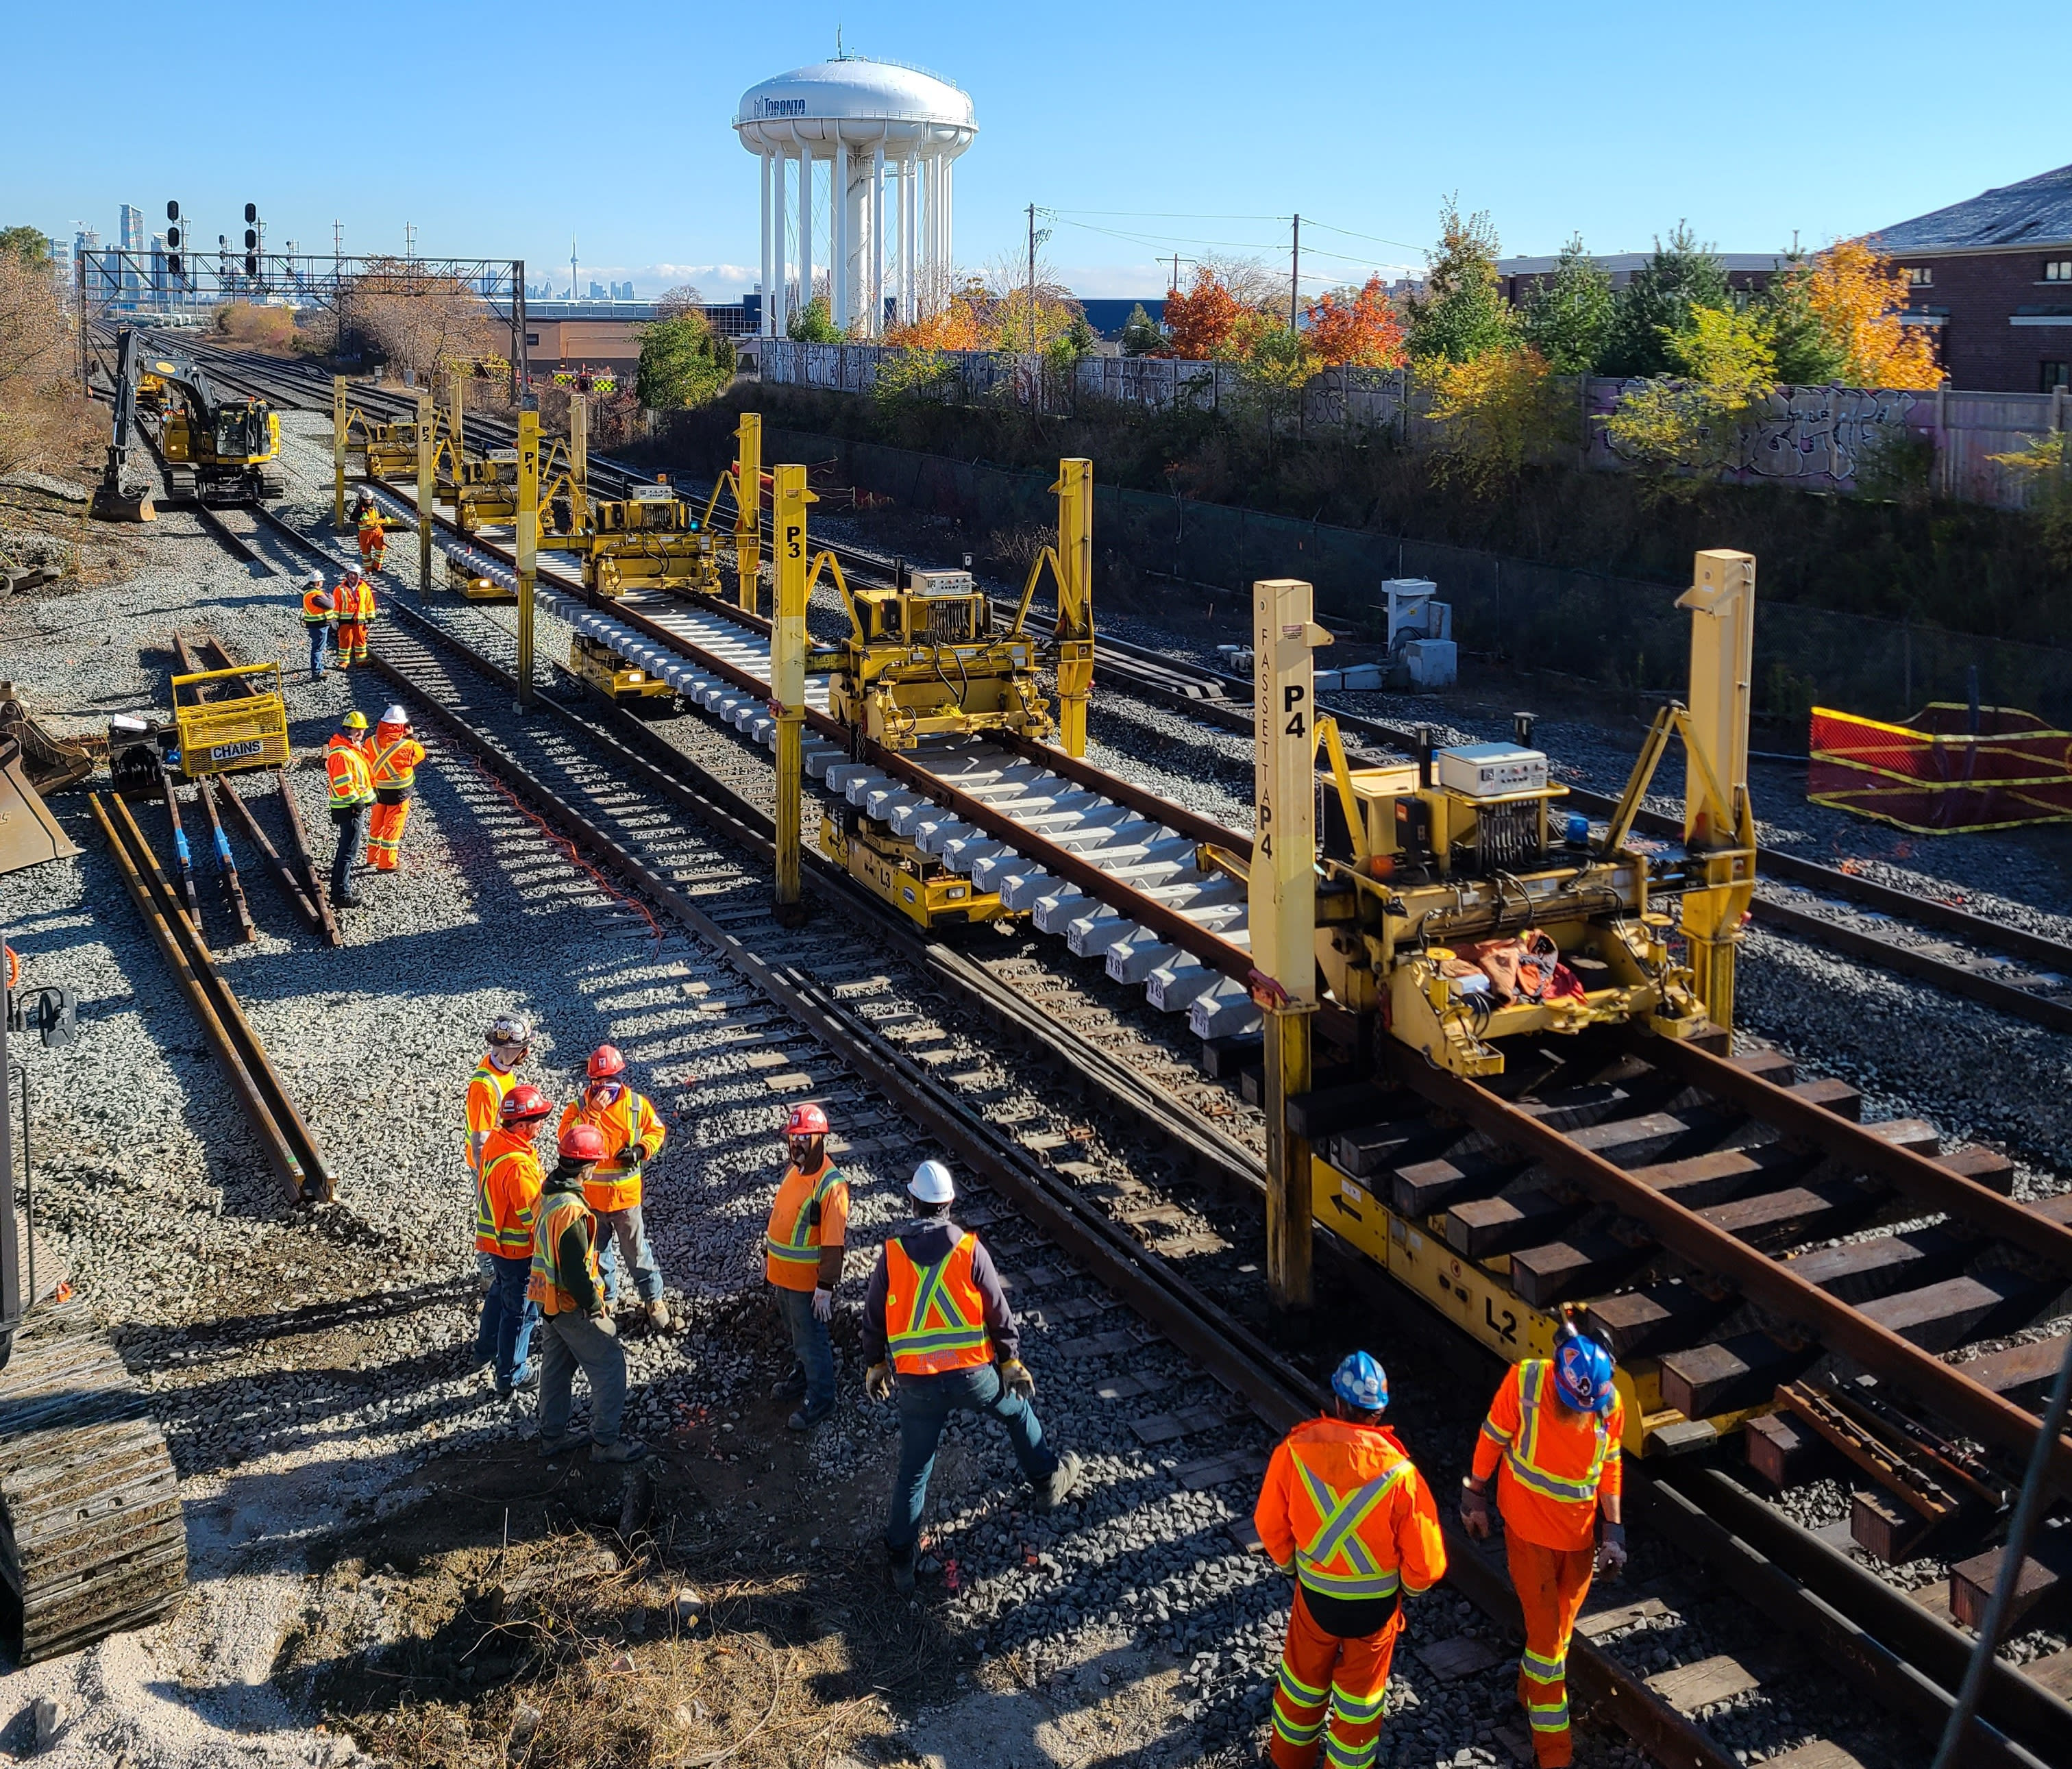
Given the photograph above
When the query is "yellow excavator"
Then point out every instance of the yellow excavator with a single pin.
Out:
(218, 448)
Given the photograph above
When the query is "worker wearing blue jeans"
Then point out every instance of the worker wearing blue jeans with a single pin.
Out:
(934, 1320)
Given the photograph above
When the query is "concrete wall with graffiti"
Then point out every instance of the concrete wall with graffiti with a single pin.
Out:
(1827, 439)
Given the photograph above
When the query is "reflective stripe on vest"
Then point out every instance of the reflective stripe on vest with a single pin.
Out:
(623, 1115)
(514, 1239)
(800, 1250)
(934, 1315)
(1335, 1561)
(386, 772)
(346, 768)
(317, 609)
(1535, 1378)
(557, 1211)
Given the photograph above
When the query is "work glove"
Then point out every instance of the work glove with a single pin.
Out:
(877, 1381)
(1611, 1548)
(1474, 1511)
(602, 1320)
(1015, 1378)
(824, 1304)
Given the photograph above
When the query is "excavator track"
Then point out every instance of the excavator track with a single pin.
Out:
(92, 1537)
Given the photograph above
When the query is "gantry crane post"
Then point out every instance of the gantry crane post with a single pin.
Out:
(528, 542)
(748, 510)
(789, 498)
(1718, 820)
(1075, 612)
(338, 451)
(427, 431)
(1281, 891)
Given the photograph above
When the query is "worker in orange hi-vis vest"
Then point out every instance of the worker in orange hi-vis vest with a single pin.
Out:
(355, 614)
(373, 530)
(394, 769)
(1552, 1440)
(938, 1332)
(1346, 1511)
(633, 1134)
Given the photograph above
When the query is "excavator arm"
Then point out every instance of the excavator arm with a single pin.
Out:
(119, 498)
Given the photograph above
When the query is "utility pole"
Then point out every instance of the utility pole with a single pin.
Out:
(1032, 279)
(1295, 275)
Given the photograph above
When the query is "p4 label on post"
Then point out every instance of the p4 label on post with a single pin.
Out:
(1282, 891)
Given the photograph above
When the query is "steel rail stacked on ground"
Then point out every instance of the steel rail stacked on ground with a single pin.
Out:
(290, 1149)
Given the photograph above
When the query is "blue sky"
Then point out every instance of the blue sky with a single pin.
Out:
(1209, 124)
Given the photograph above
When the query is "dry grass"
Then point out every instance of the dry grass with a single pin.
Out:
(254, 328)
(46, 422)
(561, 1654)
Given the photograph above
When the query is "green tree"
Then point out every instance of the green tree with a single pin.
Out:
(30, 245)
(1807, 353)
(812, 325)
(1569, 318)
(1682, 431)
(1142, 335)
(682, 364)
(1656, 304)
(1462, 311)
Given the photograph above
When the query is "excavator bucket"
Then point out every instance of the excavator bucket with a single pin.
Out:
(123, 503)
(29, 834)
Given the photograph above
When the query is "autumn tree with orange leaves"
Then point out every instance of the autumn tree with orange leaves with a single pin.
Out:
(1199, 322)
(1358, 329)
(1836, 318)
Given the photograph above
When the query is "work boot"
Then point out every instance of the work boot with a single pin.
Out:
(619, 1450)
(901, 1561)
(526, 1382)
(790, 1386)
(807, 1416)
(1055, 1491)
(658, 1316)
(550, 1447)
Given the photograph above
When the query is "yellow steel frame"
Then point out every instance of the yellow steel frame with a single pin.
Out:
(527, 544)
(788, 675)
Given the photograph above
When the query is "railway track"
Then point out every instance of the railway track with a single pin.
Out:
(2014, 972)
(1731, 1178)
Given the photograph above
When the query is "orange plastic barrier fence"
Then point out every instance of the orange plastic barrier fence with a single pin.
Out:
(1933, 774)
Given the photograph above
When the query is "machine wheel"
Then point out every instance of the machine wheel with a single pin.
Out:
(273, 485)
(179, 483)
(92, 1538)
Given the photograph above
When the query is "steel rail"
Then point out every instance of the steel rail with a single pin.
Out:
(1913, 1657)
(284, 1138)
(1683, 1232)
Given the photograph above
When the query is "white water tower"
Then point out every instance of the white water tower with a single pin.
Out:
(871, 125)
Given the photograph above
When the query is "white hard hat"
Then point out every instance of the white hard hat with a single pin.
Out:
(395, 715)
(931, 1184)
(315, 579)
(511, 1029)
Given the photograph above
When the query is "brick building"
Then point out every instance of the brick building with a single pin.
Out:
(1993, 275)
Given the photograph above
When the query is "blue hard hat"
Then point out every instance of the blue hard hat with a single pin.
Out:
(1361, 1382)
(1583, 1373)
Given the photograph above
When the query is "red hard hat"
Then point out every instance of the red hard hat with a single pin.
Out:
(583, 1142)
(524, 1104)
(605, 1062)
(806, 1120)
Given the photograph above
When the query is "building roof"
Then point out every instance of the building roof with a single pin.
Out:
(1621, 265)
(2036, 212)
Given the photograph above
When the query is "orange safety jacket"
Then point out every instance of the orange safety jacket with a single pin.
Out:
(485, 1089)
(557, 1213)
(810, 1212)
(934, 1315)
(318, 608)
(395, 763)
(351, 782)
(1346, 1511)
(507, 1196)
(628, 1122)
(361, 603)
(1552, 1463)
